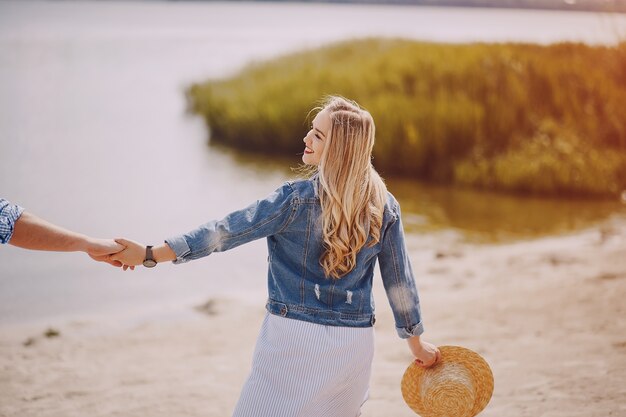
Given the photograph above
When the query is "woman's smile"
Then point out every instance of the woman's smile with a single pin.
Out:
(315, 138)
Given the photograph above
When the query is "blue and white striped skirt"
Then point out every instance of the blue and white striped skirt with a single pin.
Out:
(303, 369)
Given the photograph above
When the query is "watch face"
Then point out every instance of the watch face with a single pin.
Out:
(149, 263)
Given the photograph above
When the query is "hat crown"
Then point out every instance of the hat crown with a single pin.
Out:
(449, 384)
(460, 385)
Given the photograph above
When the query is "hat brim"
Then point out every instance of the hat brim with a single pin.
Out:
(461, 377)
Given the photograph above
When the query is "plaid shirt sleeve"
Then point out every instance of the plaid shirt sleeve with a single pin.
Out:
(9, 213)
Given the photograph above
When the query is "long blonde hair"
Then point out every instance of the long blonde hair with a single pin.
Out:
(352, 194)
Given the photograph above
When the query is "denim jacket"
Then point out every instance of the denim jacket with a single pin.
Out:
(290, 220)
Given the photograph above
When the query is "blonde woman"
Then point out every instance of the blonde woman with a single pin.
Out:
(325, 233)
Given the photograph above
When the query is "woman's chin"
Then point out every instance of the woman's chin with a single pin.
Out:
(308, 159)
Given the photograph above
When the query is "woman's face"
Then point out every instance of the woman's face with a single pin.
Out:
(316, 138)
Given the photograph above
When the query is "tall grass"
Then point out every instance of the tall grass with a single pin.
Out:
(509, 116)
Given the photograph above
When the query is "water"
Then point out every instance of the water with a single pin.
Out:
(93, 136)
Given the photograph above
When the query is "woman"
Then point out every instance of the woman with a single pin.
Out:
(314, 352)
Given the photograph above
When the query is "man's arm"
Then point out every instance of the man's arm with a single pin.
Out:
(32, 232)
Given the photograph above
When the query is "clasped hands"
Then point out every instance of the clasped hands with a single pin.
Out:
(122, 253)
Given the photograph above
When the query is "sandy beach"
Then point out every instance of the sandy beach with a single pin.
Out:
(95, 136)
(547, 314)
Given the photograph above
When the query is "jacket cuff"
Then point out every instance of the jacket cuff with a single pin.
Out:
(406, 332)
(9, 217)
(180, 247)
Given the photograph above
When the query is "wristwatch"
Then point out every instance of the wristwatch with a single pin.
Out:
(149, 262)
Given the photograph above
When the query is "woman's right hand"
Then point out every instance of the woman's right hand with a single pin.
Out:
(426, 354)
(133, 255)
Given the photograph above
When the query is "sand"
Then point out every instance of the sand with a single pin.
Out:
(547, 314)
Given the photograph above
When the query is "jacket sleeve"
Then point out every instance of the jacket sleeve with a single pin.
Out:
(260, 219)
(398, 279)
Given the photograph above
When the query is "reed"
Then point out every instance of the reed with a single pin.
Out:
(507, 116)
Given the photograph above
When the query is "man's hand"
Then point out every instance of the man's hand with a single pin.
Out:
(101, 249)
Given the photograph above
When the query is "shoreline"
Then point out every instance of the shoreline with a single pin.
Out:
(542, 313)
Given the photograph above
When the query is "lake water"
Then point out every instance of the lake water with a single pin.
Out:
(94, 137)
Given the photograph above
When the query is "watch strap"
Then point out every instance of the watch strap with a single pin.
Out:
(149, 255)
(149, 261)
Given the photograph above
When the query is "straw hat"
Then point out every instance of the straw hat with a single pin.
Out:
(459, 385)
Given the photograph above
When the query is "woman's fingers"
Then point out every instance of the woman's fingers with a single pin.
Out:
(429, 360)
(422, 364)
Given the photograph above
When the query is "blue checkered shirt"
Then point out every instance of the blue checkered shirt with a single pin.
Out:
(9, 213)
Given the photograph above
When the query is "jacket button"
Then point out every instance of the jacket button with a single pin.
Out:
(283, 311)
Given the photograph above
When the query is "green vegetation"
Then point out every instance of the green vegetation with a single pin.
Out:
(514, 117)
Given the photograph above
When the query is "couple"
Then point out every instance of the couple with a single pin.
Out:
(325, 233)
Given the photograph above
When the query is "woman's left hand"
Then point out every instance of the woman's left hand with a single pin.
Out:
(426, 354)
